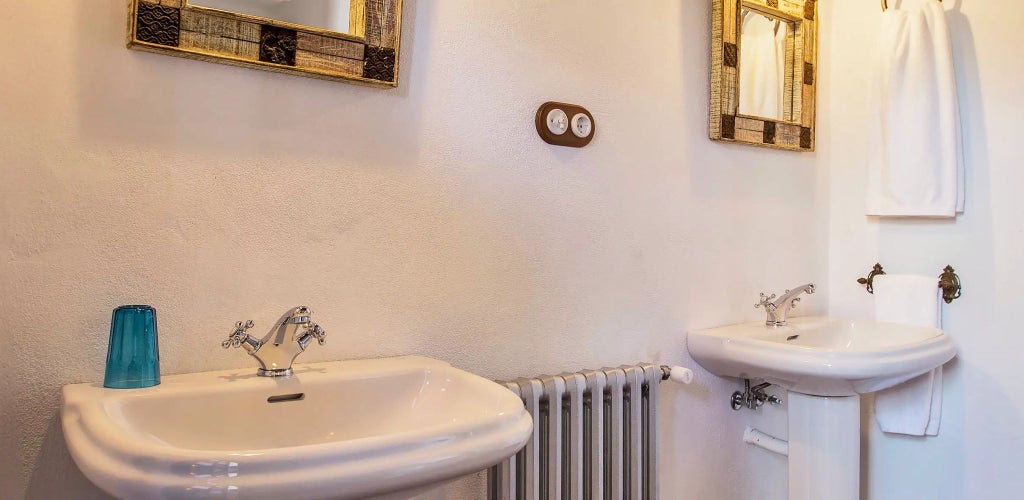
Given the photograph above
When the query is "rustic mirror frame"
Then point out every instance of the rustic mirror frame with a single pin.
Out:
(367, 56)
(725, 124)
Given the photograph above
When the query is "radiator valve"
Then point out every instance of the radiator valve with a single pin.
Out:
(676, 374)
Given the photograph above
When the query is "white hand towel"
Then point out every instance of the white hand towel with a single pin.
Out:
(915, 163)
(915, 406)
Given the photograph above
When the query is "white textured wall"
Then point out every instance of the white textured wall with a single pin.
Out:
(978, 452)
(429, 219)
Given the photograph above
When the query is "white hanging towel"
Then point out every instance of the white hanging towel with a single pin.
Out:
(915, 406)
(915, 163)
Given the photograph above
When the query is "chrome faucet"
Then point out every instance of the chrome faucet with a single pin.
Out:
(777, 309)
(276, 351)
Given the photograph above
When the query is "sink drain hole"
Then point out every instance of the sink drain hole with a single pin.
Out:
(792, 337)
(298, 396)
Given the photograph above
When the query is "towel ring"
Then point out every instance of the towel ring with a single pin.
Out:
(885, 6)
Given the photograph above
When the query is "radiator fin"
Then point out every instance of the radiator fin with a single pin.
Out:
(595, 438)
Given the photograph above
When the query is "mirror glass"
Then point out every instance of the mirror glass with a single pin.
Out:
(766, 65)
(325, 14)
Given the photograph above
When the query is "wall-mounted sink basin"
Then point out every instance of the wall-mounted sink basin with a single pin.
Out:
(822, 356)
(347, 429)
(825, 364)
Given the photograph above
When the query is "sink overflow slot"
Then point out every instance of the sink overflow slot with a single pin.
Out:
(298, 396)
(792, 337)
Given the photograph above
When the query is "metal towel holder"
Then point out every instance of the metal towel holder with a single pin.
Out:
(949, 282)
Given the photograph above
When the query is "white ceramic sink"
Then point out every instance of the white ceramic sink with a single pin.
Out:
(361, 428)
(822, 356)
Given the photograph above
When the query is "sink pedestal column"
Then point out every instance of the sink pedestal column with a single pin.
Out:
(824, 447)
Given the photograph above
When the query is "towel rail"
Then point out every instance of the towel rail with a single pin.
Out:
(885, 5)
(949, 282)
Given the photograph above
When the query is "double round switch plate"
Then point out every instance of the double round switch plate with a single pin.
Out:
(565, 124)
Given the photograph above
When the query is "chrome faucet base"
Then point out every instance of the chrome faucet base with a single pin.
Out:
(286, 372)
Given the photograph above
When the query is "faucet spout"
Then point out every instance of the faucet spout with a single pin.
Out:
(778, 308)
(788, 297)
(288, 325)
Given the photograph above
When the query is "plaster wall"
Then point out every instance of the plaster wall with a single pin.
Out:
(429, 219)
(978, 450)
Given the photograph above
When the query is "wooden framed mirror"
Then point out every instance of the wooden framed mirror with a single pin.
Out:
(346, 40)
(763, 72)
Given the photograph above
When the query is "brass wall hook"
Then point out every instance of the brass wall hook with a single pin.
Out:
(949, 282)
(870, 280)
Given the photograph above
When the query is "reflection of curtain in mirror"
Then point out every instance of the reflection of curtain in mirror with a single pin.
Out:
(762, 66)
(780, 59)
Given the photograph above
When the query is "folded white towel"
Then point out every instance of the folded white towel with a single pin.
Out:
(915, 406)
(915, 163)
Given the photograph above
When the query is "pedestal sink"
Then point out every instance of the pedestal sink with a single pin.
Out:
(826, 364)
(347, 429)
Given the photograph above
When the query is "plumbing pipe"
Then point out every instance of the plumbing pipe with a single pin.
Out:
(766, 441)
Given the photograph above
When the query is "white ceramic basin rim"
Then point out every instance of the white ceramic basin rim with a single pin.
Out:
(346, 429)
(822, 356)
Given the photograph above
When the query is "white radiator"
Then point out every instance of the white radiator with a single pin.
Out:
(595, 437)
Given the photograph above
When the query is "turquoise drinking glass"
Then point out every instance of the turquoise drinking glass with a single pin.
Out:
(133, 356)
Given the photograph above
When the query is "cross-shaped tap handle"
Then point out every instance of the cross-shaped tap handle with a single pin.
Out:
(238, 336)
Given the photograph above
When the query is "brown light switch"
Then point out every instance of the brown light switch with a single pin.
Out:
(565, 124)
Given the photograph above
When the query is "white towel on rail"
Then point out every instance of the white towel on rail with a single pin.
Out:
(915, 164)
(915, 406)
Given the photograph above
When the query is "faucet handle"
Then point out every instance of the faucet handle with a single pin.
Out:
(237, 337)
(766, 301)
(319, 333)
(312, 330)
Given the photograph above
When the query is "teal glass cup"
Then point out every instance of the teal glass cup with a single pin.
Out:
(133, 356)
